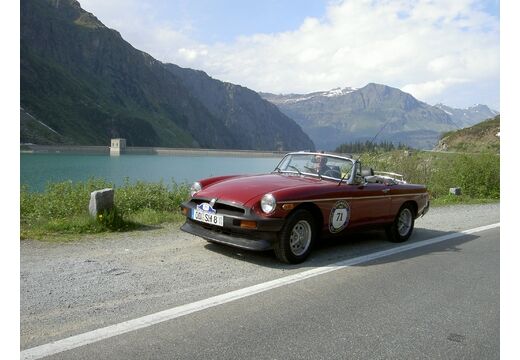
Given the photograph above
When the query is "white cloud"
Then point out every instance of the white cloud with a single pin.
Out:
(425, 47)
(431, 89)
(192, 54)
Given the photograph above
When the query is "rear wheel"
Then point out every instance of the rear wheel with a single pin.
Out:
(402, 227)
(296, 239)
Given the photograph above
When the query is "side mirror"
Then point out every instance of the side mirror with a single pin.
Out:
(367, 172)
(354, 177)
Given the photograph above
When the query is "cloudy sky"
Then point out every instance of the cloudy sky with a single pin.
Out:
(438, 50)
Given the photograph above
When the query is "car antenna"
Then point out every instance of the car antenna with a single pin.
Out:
(374, 138)
(370, 142)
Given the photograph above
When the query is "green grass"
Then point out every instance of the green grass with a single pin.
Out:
(460, 200)
(477, 138)
(62, 209)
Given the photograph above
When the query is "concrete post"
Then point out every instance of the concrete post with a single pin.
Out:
(456, 191)
(101, 200)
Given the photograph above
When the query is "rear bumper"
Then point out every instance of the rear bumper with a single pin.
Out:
(425, 209)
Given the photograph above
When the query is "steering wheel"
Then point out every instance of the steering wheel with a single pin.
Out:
(332, 173)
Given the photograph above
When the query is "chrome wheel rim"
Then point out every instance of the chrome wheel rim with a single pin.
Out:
(300, 239)
(404, 224)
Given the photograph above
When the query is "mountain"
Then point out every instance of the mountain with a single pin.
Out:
(247, 116)
(468, 116)
(349, 115)
(482, 137)
(84, 82)
(33, 131)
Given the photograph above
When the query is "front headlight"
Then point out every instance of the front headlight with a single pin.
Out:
(195, 188)
(268, 203)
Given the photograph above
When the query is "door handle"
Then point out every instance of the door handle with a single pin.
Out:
(385, 190)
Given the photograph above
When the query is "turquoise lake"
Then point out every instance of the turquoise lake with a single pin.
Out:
(38, 169)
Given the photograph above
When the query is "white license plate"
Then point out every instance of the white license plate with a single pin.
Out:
(207, 217)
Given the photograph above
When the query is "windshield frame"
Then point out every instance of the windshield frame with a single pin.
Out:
(348, 180)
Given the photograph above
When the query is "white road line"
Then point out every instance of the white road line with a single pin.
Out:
(173, 313)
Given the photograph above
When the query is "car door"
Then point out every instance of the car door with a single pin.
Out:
(370, 203)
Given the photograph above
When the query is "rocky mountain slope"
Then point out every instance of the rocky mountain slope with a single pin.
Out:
(348, 115)
(252, 121)
(86, 83)
(482, 137)
(468, 116)
(33, 131)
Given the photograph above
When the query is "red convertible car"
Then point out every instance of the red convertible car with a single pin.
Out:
(308, 196)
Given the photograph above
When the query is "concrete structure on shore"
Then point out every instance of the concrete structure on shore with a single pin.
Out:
(117, 146)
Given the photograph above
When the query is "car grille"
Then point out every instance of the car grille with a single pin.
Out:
(223, 208)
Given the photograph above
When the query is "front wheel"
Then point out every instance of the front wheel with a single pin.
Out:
(296, 239)
(402, 227)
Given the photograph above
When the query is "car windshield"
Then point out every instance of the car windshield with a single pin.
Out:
(319, 165)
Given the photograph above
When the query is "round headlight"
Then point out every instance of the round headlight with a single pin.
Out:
(268, 203)
(195, 187)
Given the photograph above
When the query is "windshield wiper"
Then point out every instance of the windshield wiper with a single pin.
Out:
(343, 178)
(295, 168)
(277, 169)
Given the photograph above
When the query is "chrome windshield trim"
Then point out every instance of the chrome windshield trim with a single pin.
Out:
(308, 174)
(319, 176)
(319, 153)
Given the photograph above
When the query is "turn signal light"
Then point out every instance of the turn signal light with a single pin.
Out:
(185, 211)
(247, 224)
(288, 206)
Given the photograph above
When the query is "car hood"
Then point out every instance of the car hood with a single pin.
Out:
(240, 190)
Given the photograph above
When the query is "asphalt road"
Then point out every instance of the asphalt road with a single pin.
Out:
(435, 301)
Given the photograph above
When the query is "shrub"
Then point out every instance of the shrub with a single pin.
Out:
(157, 196)
(477, 174)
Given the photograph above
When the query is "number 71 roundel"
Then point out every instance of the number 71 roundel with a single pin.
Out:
(339, 216)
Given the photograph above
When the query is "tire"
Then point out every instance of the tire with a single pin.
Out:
(402, 227)
(297, 237)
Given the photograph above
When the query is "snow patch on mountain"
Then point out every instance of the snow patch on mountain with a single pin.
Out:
(294, 98)
(338, 92)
